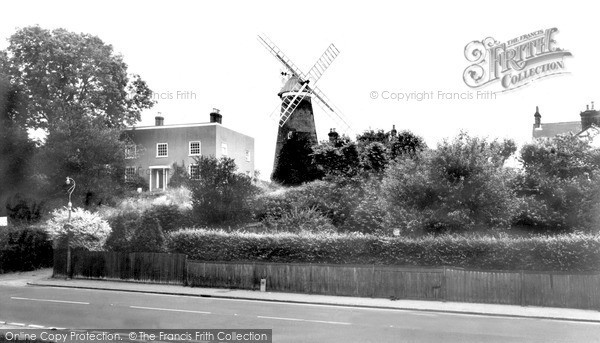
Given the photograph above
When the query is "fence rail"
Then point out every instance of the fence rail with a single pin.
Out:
(581, 290)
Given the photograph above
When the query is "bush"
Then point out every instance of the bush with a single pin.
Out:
(84, 230)
(301, 220)
(334, 201)
(221, 195)
(573, 252)
(24, 248)
(559, 185)
(22, 209)
(461, 186)
(148, 236)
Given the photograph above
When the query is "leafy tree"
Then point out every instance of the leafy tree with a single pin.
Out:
(405, 144)
(65, 74)
(16, 149)
(221, 195)
(295, 165)
(93, 157)
(374, 157)
(339, 158)
(460, 186)
(559, 186)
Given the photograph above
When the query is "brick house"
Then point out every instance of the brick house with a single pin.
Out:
(155, 149)
(588, 126)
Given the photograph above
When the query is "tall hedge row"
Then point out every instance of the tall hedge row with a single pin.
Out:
(574, 252)
(24, 248)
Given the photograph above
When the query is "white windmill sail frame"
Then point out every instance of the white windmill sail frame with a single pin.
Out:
(312, 77)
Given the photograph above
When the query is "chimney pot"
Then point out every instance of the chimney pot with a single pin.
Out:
(159, 120)
(216, 116)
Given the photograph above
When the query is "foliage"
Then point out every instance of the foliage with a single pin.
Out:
(148, 236)
(24, 248)
(301, 220)
(93, 157)
(460, 186)
(404, 143)
(368, 213)
(24, 209)
(221, 195)
(16, 149)
(84, 230)
(66, 74)
(560, 185)
(295, 165)
(339, 158)
(180, 176)
(334, 201)
(574, 252)
(342, 159)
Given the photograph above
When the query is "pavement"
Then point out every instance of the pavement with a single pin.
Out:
(43, 279)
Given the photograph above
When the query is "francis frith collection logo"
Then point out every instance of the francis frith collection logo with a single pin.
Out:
(514, 63)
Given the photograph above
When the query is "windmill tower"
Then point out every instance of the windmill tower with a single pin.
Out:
(295, 115)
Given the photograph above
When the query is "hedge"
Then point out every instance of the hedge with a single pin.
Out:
(24, 248)
(573, 252)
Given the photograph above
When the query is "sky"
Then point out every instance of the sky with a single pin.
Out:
(209, 51)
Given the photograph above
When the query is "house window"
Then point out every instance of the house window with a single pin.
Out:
(130, 173)
(224, 149)
(195, 148)
(162, 150)
(247, 155)
(194, 172)
(131, 152)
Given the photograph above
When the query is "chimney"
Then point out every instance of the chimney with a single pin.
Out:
(215, 116)
(393, 133)
(589, 117)
(333, 136)
(159, 120)
(538, 118)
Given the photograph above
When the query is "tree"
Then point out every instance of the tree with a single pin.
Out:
(16, 149)
(560, 185)
(397, 144)
(93, 157)
(338, 158)
(220, 194)
(460, 186)
(295, 165)
(65, 74)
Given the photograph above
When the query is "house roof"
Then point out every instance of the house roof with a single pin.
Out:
(553, 129)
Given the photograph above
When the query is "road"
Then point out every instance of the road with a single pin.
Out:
(95, 309)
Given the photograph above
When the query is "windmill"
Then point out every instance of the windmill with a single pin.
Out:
(295, 115)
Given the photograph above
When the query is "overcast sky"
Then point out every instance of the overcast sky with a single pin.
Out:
(210, 49)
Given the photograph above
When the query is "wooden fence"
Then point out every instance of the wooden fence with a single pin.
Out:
(143, 267)
(445, 284)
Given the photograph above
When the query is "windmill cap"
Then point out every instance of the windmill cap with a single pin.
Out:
(291, 85)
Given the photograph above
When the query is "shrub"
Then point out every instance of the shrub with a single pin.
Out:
(573, 252)
(221, 195)
(24, 248)
(334, 201)
(84, 230)
(301, 220)
(148, 236)
(560, 185)
(460, 186)
(23, 209)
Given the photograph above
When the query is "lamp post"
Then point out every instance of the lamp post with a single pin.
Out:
(68, 225)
